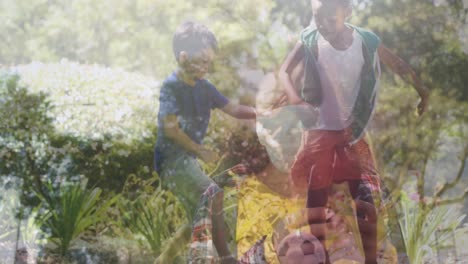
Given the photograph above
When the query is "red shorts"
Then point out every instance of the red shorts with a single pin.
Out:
(325, 158)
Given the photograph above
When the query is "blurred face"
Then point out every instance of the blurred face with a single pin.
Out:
(329, 18)
(197, 65)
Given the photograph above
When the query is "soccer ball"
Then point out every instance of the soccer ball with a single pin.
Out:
(300, 248)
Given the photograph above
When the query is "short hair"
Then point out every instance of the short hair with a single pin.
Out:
(193, 37)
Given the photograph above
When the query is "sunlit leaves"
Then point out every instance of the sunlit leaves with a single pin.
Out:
(93, 101)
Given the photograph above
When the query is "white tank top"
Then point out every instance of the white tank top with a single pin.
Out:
(340, 78)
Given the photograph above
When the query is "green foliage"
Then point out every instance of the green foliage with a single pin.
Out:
(108, 162)
(66, 120)
(36, 147)
(12, 220)
(69, 210)
(294, 14)
(427, 35)
(25, 148)
(8, 204)
(135, 35)
(148, 212)
(21, 110)
(435, 229)
(93, 101)
(404, 141)
(429, 150)
(75, 142)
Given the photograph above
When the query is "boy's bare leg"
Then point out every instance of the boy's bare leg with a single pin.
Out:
(316, 218)
(368, 230)
(181, 237)
(219, 230)
(366, 217)
(317, 215)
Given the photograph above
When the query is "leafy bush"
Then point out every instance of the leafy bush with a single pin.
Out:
(69, 211)
(92, 101)
(25, 135)
(148, 211)
(109, 162)
(34, 149)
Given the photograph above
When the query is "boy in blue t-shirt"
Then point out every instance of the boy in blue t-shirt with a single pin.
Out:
(186, 101)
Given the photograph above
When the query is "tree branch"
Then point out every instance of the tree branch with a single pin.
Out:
(454, 200)
(452, 184)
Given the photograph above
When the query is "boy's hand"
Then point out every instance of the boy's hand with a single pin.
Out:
(239, 111)
(296, 100)
(207, 155)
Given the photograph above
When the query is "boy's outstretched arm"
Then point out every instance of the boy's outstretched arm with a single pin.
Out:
(173, 131)
(292, 60)
(239, 111)
(403, 69)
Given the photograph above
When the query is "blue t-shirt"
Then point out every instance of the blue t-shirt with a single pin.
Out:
(192, 106)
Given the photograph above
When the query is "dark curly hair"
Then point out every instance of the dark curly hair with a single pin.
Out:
(193, 37)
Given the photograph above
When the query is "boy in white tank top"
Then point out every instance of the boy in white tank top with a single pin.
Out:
(340, 82)
(342, 69)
